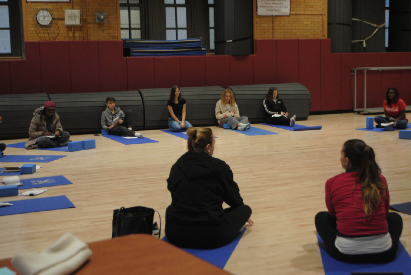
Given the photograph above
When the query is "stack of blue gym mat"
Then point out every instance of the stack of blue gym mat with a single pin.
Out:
(184, 47)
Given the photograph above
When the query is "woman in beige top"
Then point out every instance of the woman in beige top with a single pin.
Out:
(226, 112)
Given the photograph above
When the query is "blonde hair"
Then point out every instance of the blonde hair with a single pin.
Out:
(232, 100)
(199, 138)
(362, 160)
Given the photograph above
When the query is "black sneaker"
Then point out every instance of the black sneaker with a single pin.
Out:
(156, 230)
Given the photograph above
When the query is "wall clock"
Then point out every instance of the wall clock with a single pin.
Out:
(44, 17)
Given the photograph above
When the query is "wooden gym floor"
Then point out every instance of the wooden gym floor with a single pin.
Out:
(280, 176)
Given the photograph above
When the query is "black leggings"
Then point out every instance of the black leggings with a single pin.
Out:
(121, 129)
(2, 148)
(278, 120)
(206, 238)
(327, 229)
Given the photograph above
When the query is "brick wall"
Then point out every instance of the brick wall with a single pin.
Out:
(90, 30)
(308, 19)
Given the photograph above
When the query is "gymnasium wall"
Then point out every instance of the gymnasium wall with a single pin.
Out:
(93, 66)
(90, 30)
(308, 19)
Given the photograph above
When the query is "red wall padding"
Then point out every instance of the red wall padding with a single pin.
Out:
(375, 94)
(193, 71)
(55, 67)
(287, 61)
(5, 83)
(87, 66)
(390, 77)
(405, 87)
(113, 66)
(309, 73)
(330, 78)
(167, 72)
(351, 60)
(241, 70)
(26, 74)
(84, 66)
(265, 60)
(140, 72)
(218, 70)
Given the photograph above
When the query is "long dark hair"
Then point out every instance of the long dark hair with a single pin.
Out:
(396, 97)
(199, 138)
(172, 96)
(270, 92)
(362, 160)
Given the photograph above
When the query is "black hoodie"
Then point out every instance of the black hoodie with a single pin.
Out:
(199, 184)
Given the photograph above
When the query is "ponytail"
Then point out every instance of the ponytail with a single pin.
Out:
(362, 160)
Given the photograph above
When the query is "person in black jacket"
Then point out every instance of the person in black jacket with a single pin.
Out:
(199, 184)
(275, 109)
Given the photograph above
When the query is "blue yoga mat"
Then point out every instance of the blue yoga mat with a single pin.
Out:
(218, 256)
(126, 141)
(28, 158)
(372, 130)
(182, 135)
(8, 173)
(402, 207)
(402, 263)
(22, 145)
(36, 205)
(44, 182)
(255, 132)
(380, 129)
(296, 127)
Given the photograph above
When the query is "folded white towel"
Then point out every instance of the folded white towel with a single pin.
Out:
(63, 257)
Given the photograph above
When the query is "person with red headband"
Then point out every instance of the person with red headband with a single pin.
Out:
(45, 128)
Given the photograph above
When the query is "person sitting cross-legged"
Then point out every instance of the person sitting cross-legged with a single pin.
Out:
(394, 110)
(45, 128)
(115, 122)
(358, 226)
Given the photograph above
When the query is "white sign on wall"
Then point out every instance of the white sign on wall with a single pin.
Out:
(66, 1)
(273, 7)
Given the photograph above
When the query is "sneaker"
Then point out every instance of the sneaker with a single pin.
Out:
(387, 124)
(241, 127)
(292, 121)
(138, 135)
(156, 230)
(245, 126)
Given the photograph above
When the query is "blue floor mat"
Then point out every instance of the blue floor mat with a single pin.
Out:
(44, 182)
(402, 263)
(36, 205)
(296, 127)
(28, 158)
(22, 145)
(381, 129)
(255, 132)
(402, 207)
(182, 135)
(126, 141)
(218, 256)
